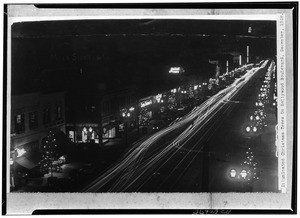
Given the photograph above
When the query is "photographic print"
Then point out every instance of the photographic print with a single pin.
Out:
(147, 105)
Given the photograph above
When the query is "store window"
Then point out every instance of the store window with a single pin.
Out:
(33, 120)
(19, 123)
(72, 136)
(110, 133)
(46, 116)
(89, 135)
(84, 134)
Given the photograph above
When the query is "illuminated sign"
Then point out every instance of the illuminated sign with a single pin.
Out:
(158, 97)
(146, 103)
(176, 70)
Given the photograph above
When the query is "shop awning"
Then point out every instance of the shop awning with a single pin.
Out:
(25, 162)
(30, 159)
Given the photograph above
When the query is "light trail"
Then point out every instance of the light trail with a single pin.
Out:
(159, 148)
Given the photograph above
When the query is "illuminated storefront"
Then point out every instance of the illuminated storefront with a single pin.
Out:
(89, 133)
(83, 133)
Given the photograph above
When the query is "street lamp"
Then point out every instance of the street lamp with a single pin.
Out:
(254, 129)
(243, 174)
(247, 129)
(233, 173)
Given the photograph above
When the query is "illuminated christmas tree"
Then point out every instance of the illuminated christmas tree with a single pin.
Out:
(50, 155)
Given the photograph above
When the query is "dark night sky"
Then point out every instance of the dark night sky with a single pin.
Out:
(113, 53)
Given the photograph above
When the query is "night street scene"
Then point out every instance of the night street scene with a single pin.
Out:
(143, 105)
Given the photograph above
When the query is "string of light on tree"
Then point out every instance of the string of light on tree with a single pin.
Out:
(50, 155)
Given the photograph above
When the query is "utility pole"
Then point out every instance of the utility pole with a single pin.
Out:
(248, 54)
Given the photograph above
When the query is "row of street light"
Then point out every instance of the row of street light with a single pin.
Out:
(248, 170)
(258, 122)
(258, 118)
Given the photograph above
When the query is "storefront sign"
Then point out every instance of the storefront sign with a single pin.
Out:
(146, 103)
(176, 70)
(158, 97)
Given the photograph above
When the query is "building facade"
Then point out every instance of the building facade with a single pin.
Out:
(98, 119)
(33, 115)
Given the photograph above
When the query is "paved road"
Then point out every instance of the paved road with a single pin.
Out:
(185, 157)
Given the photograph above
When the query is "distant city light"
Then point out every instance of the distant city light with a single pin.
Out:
(173, 90)
(128, 114)
(251, 117)
(249, 29)
(254, 129)
(227, 66)
(131, 109)
(257, 117)
(195, 87)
